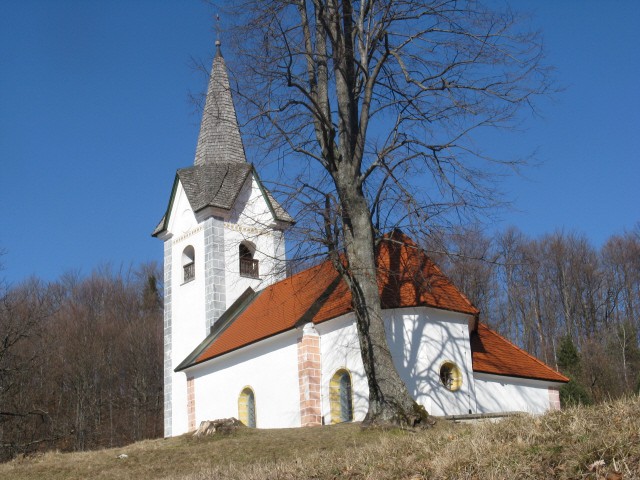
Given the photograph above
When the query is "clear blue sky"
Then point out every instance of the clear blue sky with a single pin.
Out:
(95, 119)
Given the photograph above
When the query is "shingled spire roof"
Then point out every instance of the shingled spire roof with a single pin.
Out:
(219, 140)
(220, 168)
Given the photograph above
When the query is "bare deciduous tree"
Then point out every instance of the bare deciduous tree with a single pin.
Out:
(374, 105)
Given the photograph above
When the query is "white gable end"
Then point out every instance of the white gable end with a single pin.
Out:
(251, 208)
(181, 217)
(421, 339)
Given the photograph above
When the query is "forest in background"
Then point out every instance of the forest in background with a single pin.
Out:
(574, 306)
(81, 361)
(81, 358)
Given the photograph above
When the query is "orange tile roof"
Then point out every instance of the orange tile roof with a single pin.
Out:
(406, 276)
(492, 353)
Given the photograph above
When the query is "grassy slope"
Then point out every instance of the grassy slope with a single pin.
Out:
(557, 445)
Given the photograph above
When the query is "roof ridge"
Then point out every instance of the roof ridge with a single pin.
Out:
(538, 361)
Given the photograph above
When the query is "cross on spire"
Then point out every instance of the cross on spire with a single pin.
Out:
(217, 33)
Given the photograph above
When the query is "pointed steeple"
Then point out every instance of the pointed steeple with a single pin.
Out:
(219, 140)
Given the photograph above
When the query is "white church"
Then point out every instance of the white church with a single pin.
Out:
(241, 339)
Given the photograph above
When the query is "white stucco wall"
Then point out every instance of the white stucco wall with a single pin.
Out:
(497, 393)
(420, 340)
(424, 338)
(188, 308)
(340, 349)
(187, 296)
(249, 220)
(270, 368)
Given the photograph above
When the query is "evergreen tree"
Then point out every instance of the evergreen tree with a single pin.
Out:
(572, 393)
(568, 356)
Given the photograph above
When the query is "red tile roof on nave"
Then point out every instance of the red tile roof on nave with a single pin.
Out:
(406, 277)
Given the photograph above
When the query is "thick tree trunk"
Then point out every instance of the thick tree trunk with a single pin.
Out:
(389, 400)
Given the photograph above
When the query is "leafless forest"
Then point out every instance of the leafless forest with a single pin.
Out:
(80, 362)
(572, 305)
(81, 357)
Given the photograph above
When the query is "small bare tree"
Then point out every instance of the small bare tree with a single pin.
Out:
(372, 107)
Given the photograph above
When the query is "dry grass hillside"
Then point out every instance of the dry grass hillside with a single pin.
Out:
(581, 443)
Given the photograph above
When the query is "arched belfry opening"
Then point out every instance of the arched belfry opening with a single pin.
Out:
(188, 264)
(249, 266)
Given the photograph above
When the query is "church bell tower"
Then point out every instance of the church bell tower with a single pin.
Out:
(222, 231)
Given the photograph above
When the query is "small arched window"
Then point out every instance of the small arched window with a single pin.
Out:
(188, 264)
(247, 407)
(341, 397)
(248, 265)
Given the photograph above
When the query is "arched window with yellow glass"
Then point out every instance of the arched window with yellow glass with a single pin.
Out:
(247, 407)
(341, 397)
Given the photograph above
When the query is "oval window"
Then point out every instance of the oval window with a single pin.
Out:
(450, 376)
